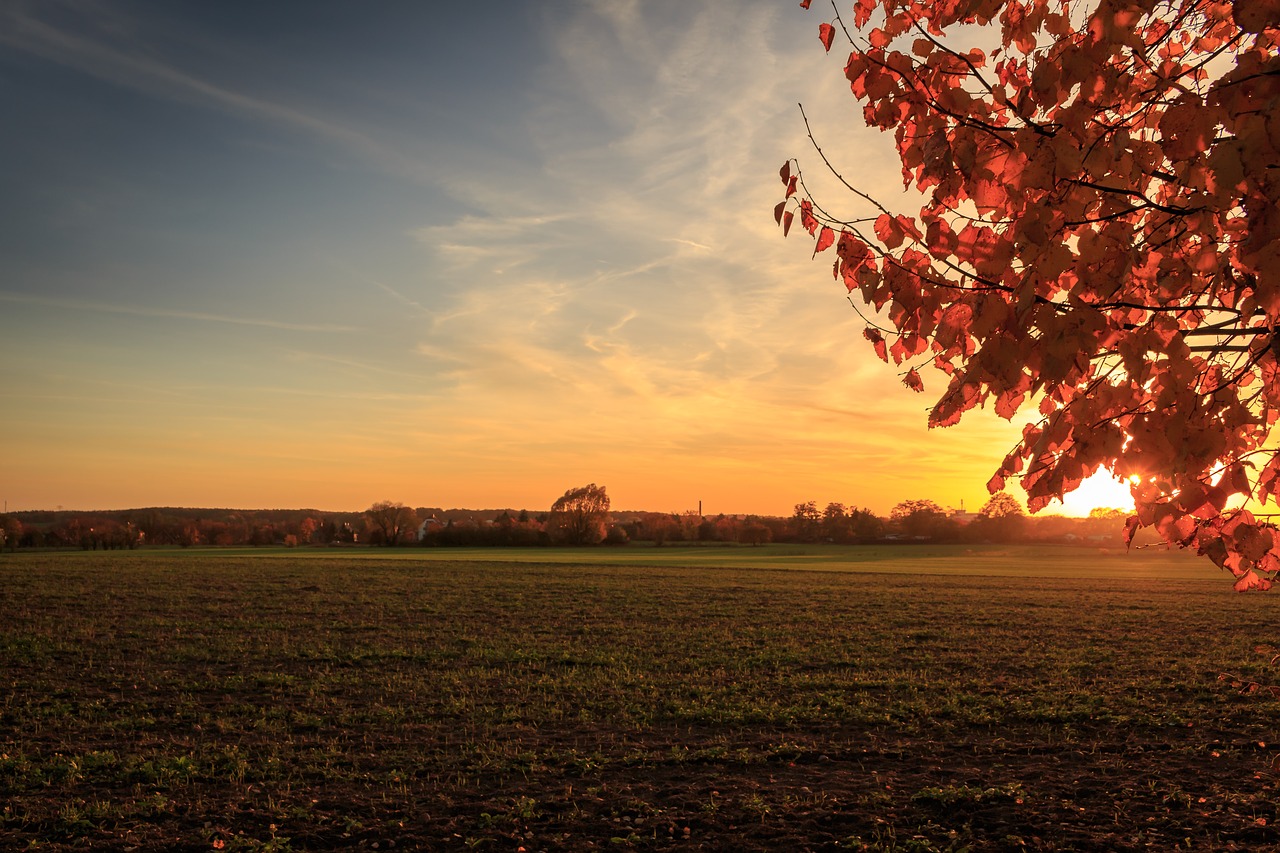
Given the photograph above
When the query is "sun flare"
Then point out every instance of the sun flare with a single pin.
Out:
(1101, 490)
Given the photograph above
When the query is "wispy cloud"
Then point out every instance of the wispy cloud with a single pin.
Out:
(595, 288)
(169, 313)
(23, 29)
(698, 333)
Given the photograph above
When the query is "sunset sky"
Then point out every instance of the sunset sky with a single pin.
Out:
(452, 254)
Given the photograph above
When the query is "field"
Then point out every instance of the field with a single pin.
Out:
(778, 698)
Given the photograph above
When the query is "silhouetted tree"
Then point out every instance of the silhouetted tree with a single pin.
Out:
(835, 522)
(1001, 518)
(921, 519)
(392, 520)
(10, 532)
(865, 525)
(805, 521)
(755, 534)
(579, 516)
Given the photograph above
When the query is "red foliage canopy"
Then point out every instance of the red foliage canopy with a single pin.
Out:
(1099, 242)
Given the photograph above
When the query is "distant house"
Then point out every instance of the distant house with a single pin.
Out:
(963, 517)
(427, 526)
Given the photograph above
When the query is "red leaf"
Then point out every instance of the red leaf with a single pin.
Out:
(1008, 402)
(912, 380)
(778, 211)
(1177, 529)
(804, 4)
(1131, 526)
(826, 239)
(961, 395)
(907, 346)
(862, 10)
(1253, 542)
(1215, 549)
(1250, 581)
(786, 222)
(872, 334)
(807, 219)
(854, 255)
(785, 172)
(908, 226)
(888, 231)
(826, 33)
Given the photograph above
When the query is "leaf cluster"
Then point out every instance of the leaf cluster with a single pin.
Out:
(1098, 242)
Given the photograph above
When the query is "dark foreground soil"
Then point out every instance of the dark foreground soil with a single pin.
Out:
(260, 705)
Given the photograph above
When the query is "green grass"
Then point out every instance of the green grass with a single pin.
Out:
(901, 698)
(1031, 561)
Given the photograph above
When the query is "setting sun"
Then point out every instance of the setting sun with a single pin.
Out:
(1099, 491)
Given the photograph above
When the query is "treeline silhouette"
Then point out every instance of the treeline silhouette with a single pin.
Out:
(913, 521)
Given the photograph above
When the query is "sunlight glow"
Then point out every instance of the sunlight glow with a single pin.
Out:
(1097, 491)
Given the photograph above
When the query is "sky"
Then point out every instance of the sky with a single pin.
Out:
(320, 254)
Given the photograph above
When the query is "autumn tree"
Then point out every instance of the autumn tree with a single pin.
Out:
(865, 525)
(1002, 505)
(579, 516)
(10, 532)
(1098, 242)
(1001, 518)
(835, 522)
(1106, 524)
(755, 534)
(307, 529)
(661, 529)
(805, 521)
(393, 521)
(920, 518)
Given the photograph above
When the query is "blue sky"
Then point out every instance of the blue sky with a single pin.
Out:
(321, 254)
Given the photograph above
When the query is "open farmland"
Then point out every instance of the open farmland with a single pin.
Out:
(726, 699)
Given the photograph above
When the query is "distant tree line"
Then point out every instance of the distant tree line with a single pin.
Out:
(176, 526)
(581, 516)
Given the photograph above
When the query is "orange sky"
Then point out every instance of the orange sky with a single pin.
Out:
(242, 268)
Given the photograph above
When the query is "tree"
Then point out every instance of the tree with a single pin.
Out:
(10, 532)
(392, 521)
(307, 529)
(660, 529)
(835, 522)
(1099, 241)
(805, 521)
(755, 534)
(865, 525)
(1103, 524)
(579, 516)
(920, 518)
(1002, 505)
(1001, 518)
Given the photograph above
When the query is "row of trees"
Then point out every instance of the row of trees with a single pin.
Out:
(180, 527)
(1001, 519)
(578, 517)
(581, 516)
